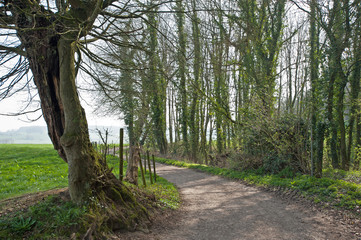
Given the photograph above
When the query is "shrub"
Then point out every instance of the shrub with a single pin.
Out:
(274, 164)
(239, 161)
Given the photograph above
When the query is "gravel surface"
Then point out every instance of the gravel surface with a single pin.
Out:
(217, 208)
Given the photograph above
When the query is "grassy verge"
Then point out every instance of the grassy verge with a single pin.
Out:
(332, 190)
(165, 192)
(38, 168)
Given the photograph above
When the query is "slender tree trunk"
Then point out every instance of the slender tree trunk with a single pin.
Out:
(355, 89)
(182, 72)
(132, 169)
(75, 139)
(317, 144)
(158, 88)
(332, 125)
(194, 113)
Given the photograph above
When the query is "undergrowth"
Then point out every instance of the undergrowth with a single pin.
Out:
(333, 189)
(48, 219)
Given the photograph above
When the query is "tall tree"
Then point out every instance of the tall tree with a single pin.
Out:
(157, 83)
(317, 139)
(48, 39)
(194, 112)
(182, 42)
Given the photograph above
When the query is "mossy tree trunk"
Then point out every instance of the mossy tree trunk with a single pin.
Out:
(50, 42)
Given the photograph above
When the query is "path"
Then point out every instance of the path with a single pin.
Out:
(217, 208)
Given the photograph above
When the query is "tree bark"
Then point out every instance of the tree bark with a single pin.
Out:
(49, 43)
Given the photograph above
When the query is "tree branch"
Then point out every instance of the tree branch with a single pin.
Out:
(16, 50)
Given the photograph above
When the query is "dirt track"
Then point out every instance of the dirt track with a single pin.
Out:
(216, 208)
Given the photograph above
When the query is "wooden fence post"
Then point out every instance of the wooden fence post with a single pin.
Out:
(141, 170)
(155, 173)
(145, 165)
(150, 169)
(121, 134)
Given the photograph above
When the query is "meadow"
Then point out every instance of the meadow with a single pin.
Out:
(30, 168)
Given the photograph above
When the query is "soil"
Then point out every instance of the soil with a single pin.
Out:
(23, 202)
(216, 208)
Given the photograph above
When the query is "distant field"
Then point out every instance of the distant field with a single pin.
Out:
(30, 168)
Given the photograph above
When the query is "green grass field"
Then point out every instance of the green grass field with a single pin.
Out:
(30, 168)
(33, 168)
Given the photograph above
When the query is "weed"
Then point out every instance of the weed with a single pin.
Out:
(21, 225)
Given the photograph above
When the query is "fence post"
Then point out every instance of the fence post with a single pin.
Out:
(121, 134)
(155, 173)
(141, 170)
(145, 165)
(150, 169)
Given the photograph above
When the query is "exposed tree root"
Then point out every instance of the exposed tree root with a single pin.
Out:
(115, 206)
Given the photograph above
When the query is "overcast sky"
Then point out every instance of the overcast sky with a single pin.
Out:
(17, 102)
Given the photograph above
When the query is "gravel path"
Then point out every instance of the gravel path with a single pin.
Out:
(217, 208)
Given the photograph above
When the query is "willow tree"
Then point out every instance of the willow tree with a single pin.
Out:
(47, 37)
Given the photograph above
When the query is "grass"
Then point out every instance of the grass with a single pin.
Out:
(333, 189)
(32, 168)
(48, 219)
(165, 191)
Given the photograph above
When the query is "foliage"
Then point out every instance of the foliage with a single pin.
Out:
(50, 218)
(280, 143)
(240, 162)
(333, 191)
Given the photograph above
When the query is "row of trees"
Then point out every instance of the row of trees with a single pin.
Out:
(277, 81)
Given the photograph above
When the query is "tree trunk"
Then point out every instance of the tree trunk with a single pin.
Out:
(50, 53)
(47, 80)
(182, 73)
(132, 170)
(75, 139)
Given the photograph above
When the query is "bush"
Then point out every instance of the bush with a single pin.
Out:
(280, 142)
(240, 162)
(274, 164)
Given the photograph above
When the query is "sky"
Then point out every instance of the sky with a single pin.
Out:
(15, 103)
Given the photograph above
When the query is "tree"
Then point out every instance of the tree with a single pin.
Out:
(194, 116)
(48, 38)
(182, 72)
(317, 149)
(157, 83)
